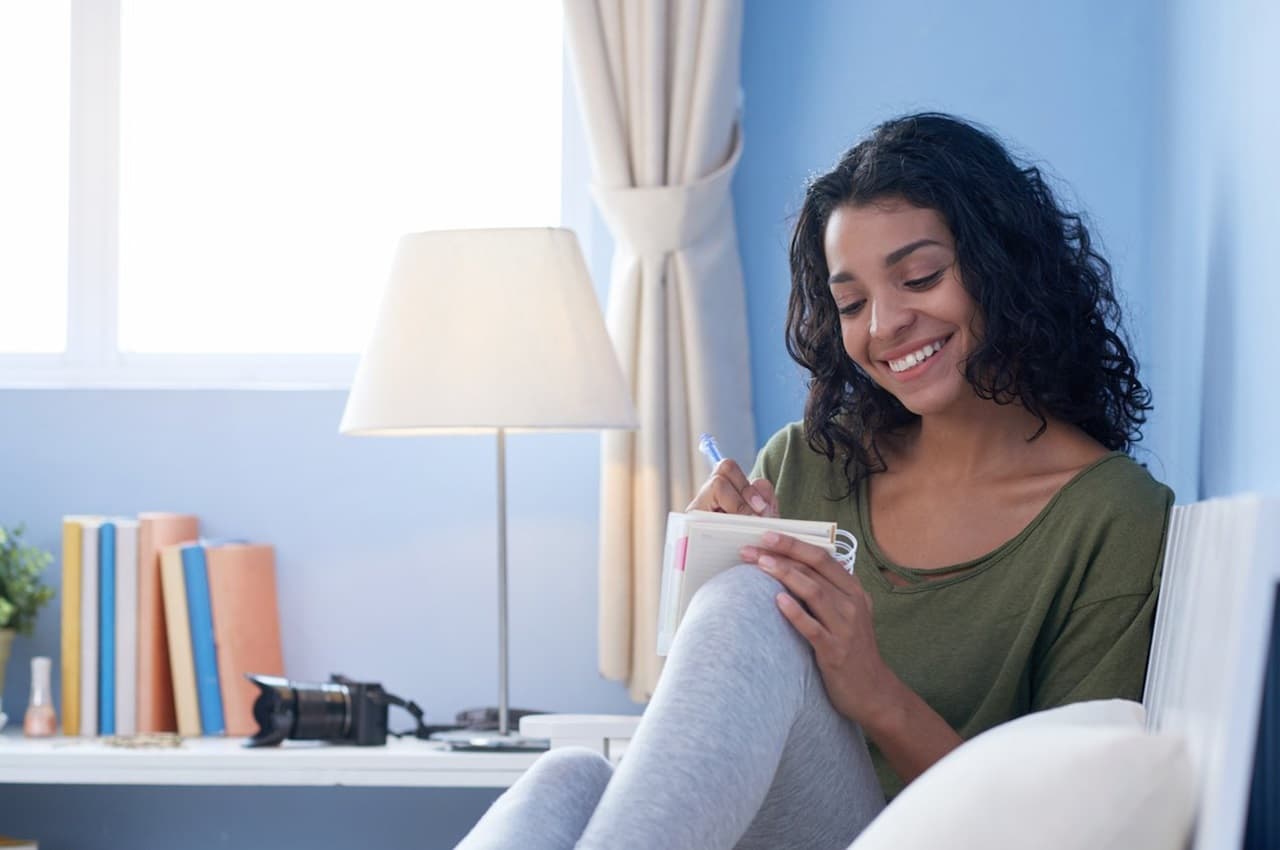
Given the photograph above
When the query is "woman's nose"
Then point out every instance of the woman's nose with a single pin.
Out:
(888, 317)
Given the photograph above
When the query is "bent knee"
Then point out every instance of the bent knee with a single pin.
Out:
(744, 597)
(565, 765)
(737, 612)
(742, 587)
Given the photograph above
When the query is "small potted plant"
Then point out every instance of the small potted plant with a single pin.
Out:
(22, 592)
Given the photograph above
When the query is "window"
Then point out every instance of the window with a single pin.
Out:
(35, 62)
(254, 163)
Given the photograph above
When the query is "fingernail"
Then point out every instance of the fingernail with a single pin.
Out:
(758, 503)
(771, 537)
(767, 563)
(749, 552)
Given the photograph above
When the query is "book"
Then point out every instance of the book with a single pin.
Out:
(89, 625)
(203, 651)
(701, 544)
(182, 669)
(126, 627)
(155, 678)
(246, 625)
(70, 650)
(107, 628)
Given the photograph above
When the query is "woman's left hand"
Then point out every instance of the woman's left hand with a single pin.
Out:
(836, 619)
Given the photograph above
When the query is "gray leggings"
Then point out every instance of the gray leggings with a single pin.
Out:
(739, 748)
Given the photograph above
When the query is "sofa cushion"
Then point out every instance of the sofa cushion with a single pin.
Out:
(1080, 776)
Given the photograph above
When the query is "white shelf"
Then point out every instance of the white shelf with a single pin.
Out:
(223, 761)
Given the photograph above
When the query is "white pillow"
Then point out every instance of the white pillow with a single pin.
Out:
(1098, 712)
(1083, 776)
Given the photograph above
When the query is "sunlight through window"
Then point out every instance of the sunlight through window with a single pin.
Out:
(35, 63)
(273, 151)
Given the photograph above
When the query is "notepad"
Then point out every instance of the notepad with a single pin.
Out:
(701, 544)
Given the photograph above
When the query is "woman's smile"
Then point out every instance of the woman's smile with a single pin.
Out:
(906, 367)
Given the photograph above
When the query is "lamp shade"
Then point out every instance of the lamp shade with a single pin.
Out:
(483, 329)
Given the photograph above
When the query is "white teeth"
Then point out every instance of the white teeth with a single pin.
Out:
(916, 357)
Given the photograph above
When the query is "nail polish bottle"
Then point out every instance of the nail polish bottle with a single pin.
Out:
(40, 720)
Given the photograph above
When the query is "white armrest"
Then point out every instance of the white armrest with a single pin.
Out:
(607, 734)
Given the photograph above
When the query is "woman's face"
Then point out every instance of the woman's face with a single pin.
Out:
(905, 316)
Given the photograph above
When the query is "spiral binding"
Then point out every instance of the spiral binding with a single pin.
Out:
(846, 549)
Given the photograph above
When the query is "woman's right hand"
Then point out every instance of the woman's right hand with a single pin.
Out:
(728, 491)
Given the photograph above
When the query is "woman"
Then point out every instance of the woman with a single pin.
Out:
(971, 402)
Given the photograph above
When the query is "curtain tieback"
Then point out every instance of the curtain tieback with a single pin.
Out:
(651, 221)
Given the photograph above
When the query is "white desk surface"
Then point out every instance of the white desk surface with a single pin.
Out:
(225, 761)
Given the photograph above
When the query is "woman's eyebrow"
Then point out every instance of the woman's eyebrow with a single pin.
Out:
(895, 256)
(899, 254)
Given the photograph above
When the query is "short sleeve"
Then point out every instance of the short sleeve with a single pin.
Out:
(1101, 653)
(1101, 647)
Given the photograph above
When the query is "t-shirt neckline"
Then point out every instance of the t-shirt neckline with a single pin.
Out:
(925, 579)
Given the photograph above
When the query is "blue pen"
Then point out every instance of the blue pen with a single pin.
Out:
(707, 445)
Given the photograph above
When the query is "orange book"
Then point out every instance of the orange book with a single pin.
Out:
(246, 625)
(155, 678)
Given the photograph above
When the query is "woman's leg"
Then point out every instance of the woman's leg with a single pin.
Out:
(740, 746)
(548, 807)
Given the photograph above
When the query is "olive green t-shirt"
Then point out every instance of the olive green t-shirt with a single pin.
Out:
(1061, 613)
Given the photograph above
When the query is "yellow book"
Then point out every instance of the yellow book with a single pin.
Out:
(173, 586)
(71, 535)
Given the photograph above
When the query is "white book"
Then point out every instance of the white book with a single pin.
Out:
(126, 626)
(701, 544)
(89, 626)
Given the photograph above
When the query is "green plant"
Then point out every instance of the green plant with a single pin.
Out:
(22, 593)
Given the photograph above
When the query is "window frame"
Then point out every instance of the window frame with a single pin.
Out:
(92, 358)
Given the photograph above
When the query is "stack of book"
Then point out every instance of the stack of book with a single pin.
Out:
(159, 627)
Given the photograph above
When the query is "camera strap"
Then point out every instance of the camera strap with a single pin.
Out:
(423, 730)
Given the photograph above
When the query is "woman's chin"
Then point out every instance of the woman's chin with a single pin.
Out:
(936, 399)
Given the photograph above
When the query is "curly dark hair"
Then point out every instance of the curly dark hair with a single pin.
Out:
(1052, 336)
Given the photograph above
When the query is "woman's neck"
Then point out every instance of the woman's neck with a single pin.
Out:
(980, 440)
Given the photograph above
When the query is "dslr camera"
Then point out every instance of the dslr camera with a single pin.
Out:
(340, 710)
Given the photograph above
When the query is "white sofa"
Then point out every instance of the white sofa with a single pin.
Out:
(1205, 672)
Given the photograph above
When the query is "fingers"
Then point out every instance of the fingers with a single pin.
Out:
(729, 491)
(808, 627)
(815, 592)
(810, 555)
(764, 487)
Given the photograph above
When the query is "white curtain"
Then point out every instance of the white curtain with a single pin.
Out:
(658, 84)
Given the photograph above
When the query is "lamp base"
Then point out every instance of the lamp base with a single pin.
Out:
(487, 741)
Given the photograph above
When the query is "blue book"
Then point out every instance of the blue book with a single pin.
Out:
(200, 617)
(107, 629)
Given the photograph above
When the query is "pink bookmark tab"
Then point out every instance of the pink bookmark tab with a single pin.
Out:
(682, 549)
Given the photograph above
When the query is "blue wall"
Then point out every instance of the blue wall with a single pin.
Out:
(1214, 343)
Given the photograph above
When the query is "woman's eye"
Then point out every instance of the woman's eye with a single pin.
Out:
(924, 282)
(852, 308)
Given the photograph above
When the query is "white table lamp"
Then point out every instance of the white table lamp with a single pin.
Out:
(489, 331)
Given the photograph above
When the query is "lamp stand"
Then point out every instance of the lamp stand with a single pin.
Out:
(503, 739)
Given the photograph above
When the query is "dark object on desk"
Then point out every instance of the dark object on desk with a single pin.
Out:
(485, 719)
(340, 710)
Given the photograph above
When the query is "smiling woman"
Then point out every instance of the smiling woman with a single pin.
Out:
(971, 399)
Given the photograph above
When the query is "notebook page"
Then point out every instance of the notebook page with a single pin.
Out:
(714, 549)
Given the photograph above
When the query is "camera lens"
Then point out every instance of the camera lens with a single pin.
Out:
(302, 711)
(323, 712)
